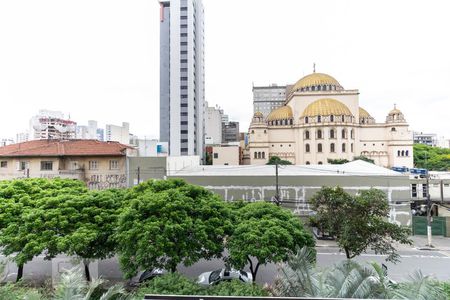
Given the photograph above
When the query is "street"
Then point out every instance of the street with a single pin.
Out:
(429, 262)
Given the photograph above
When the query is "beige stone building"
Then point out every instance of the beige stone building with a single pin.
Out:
(321, 120)
(100, 164)
(226, 155)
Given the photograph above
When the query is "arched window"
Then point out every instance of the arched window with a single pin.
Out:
(398, 153)
(352, 134)
(403, 152)
(308, 163)
(319, 119)
(306, 120)
(319, 147)
(393, 129)
(344, 134)
(313, 88)
(320, 163)
(407, 153)
(343, 118)
(264, 155)
(319, 134)
(332, 147)
(331, 118)
(331, 133)
(319, 88)
(256, 155)
(259, 154)
(351, 147)
(253, 131)
(307, 135)
(290, 121)
(343, 147)
(265, 131)
(307, 148)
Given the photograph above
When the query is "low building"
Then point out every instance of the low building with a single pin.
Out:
(429, 139)
(151, 147)
(100, 165)
(298, 183)
(225, 155)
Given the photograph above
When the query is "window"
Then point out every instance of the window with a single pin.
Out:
(398, 153)
(331, 118)
(319, 119)
(351, 134)
(307, 135)
(407, 153)
(332, 134)
(319, 134)
(351, 147)
(393, 129)
(332, 147)
(264, 155)
(424, 190)
(22, 165)
(113, 165)
(308, 163)
(46, 165)
(256, 155)
(259, 154)
(93, 165)
(343, 118)
(320, 163)
(307, 148)
(216, 155)
(3, 164)
(414, 190)
(344, 134)
(306, 120)
(319, 147)
(343, 147)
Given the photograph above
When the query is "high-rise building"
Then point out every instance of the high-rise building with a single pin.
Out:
(119, 134)
(230, 132)
(182, 76)
(50, 124)
(268, 98)
(213, 125)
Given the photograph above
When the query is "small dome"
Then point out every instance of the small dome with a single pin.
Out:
(281, 113)
(395, 111)
(363, 113)
(258, 114)
(326, 107)
(316, 80)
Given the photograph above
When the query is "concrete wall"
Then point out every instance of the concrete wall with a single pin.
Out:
(145, 168)
(295, 191)
(226, 156)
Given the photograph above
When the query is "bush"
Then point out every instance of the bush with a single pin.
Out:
(170, 284)
(236, 288)
(11, 291)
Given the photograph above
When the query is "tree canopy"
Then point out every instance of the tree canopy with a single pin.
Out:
(358, 222)
(431, 158)
(265, 233)
(171, 222)
(275, 160)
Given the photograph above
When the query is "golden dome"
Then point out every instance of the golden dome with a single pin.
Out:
(281, 113)
(363, 113)
(258, 114)
(326, 107)
(395, 111)
(316, 79)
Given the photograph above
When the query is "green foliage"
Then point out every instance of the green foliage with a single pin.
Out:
(11, 291)
(170, 222)
(446, 288)
(236, 288)
(431, 158)
(266, 233)
(364, 158)
(170, 284)
(274, 160)
(348, 279)
(24, 206)
(339, 161)
(358, 222)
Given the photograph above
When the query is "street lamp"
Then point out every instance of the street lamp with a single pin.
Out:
(429, 224)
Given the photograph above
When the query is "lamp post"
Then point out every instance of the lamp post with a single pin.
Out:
(429, 205)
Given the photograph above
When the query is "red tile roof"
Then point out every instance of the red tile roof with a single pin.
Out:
(64, 148)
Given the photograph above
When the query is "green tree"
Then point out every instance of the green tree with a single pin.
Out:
(22, 230)
(358, 222)
(265, 233)
(431, 158)
(274, 160)
(171, 222)
(93, 221)
(337, 161)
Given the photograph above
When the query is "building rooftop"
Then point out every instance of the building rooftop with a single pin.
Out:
(64, 148)
(354, 168)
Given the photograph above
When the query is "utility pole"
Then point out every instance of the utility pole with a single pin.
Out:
(277, 190)
(139, 175)
(429, 206)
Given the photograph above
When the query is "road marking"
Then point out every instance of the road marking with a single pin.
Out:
(378, 255)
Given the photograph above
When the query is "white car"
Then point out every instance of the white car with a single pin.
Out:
(214, 277)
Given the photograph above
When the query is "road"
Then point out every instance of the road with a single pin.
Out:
(436, 263)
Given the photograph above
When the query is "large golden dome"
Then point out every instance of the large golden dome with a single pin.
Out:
(317, 80)
(281, 113)
(326, 107)
(363, 113)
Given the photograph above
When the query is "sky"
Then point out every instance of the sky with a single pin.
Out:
(99, 59)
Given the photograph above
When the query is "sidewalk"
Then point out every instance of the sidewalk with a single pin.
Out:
(419, 243)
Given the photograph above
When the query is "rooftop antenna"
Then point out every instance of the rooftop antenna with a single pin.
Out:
(314, 67)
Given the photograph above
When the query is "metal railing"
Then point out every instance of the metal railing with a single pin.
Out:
(182, 297)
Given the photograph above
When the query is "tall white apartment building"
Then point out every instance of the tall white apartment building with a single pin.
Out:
(49, 124)
(119, 134)
(88, 132)
(213, 126)
(182, 76)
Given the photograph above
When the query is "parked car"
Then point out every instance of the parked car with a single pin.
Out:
(150, 274)
(216, 276)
